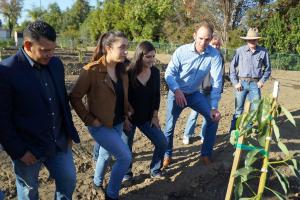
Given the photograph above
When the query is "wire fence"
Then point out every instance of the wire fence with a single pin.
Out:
(284, 61)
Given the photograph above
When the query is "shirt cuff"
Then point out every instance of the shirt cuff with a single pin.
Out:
(214, 104)
(173, 89)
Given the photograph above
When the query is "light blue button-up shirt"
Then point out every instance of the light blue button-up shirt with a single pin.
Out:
(188, 68)
(250, 65)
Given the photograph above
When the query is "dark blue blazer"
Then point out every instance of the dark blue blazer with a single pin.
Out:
(25, 120)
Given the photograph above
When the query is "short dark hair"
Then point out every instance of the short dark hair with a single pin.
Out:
(38, 29)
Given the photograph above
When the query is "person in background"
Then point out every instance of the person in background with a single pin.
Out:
(186, 71)
(205, 89)
(250, 68)
(144, 97)
(1, 193)
(35, 122)
(105, 83)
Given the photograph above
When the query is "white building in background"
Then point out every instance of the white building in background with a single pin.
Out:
(18, 36)
(4, 34)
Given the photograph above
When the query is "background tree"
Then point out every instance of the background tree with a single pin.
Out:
(72, 19)
(11, 10)
(178, 26)
(35, 13)
(107, 16)
(76, 15)
(145, 18)
(54, 16)
(279, 24)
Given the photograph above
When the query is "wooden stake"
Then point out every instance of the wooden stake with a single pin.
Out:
(264, 169)
(237, 156)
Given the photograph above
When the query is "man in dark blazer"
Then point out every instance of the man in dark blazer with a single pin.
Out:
(35, 119)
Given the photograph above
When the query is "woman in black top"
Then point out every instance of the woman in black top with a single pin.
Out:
(144, 97)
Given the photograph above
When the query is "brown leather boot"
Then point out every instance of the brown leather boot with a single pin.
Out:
(166, 163)
(206, 160)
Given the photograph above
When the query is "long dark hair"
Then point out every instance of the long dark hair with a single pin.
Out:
(136, 65)
(107, 39)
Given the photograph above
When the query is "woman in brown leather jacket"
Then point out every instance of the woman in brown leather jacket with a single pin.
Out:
(105, 83)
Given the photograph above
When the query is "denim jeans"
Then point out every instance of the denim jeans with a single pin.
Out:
(1, 195)
(251, 90)
(111, 143)
(199, 103)
(61, 168)
(96, 147)
(191, 123)
(159, 141)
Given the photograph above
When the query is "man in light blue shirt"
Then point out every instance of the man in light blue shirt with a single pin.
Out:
(188, 67)
(249, 70)
(205, 88)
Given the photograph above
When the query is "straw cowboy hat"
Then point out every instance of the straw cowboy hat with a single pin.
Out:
(252, 34)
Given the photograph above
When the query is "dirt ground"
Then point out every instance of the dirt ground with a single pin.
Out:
(186, 178)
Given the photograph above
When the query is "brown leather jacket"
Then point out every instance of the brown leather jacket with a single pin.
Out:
(95, 82)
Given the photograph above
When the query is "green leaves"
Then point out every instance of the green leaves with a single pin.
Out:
(277, 194)
(244, 173)
(288, 115)
(250, 158)
(258, 127)
(294, 168)
(275, 129)
(283, 180)
(238, 190)
(283, 148)
(234, 136)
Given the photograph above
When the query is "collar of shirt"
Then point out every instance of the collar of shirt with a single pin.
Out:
(192, 48)
(32, 62)
(246, 48)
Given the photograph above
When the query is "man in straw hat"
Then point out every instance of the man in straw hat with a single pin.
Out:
(249, 70)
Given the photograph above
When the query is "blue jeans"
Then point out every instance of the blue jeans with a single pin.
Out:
(191, 123)
(61, 168)
(111, 143)
(96, 147)
(199, 103)
(251, 90)
(1, 195)
(159, 141)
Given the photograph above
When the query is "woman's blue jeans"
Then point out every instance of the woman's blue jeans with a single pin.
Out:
(158, 139)
(111, 143)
